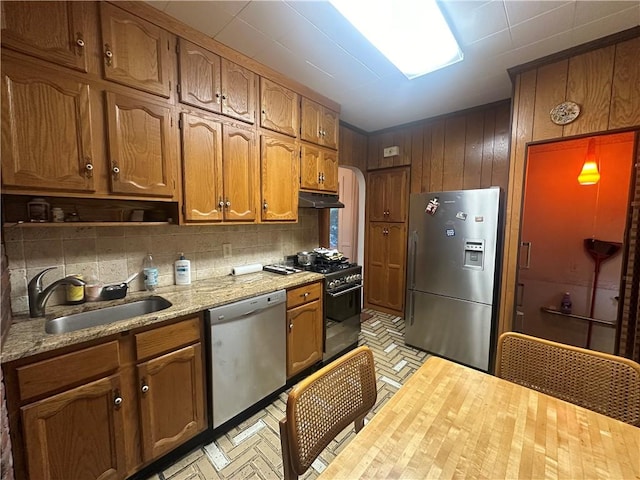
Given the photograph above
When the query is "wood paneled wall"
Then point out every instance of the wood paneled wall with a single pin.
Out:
(460, 151)
(352, 148)
(605, 82)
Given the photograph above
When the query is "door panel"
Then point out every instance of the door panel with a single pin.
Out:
(199, 77)
(240, 167)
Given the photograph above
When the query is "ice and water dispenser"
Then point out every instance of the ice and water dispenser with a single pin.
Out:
(474, 254)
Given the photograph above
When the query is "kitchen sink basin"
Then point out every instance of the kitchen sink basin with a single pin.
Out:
(102, 316)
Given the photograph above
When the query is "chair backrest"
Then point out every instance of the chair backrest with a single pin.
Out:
(605, 383)
(323, 404)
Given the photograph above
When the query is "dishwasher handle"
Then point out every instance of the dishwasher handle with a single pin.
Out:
(245, 308)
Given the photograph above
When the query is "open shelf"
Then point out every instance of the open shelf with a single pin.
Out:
(608, 323)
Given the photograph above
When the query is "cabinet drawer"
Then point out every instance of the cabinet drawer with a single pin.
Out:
(69, 369)
(163, 339)
(304, 294)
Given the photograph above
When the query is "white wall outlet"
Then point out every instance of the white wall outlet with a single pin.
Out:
(226, 250)
(391, 151)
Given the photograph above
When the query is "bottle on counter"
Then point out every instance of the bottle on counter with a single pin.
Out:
(565, 303)
(75, 293)
(150, 272)
(183, 271)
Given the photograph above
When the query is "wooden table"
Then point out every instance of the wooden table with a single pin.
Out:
(452, 421)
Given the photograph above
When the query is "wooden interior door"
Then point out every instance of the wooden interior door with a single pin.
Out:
(58, 155)
(52, 31)
(202, 168)
(77, 434)
(141, 152)
(240, 171)
(199, 77)
(171, 400)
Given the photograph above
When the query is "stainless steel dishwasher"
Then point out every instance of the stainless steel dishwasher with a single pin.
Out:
(247, 353)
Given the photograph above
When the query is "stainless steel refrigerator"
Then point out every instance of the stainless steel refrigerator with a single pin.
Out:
(452, 275)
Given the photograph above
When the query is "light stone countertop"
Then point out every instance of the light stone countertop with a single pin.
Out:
(27, 336)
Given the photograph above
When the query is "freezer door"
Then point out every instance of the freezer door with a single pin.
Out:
(453, 251)
(455, 329)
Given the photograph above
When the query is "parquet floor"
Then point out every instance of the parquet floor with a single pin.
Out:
(251, 450)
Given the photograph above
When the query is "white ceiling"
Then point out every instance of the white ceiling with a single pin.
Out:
(311, 43)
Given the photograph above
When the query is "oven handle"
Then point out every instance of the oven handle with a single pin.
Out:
(344, 292)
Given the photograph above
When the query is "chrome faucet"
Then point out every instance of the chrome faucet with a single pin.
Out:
(38, 297)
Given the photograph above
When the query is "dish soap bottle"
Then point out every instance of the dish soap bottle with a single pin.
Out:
(150, 273)
(565, 303)
(183, 271)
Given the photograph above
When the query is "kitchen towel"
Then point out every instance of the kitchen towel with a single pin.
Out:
(244, 269)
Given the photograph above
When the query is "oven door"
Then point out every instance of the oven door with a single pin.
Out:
(342, 321)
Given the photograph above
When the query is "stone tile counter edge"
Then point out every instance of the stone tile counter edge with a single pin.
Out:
(27, 336)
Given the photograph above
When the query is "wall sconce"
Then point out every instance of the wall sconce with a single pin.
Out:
(589, 174)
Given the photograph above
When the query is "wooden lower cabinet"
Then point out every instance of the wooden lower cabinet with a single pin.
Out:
(171, 400)
(77, 434)
(304, 328)
(385, 269)
(113, 407)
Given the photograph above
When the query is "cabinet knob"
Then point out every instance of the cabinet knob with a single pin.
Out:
(265, 205)
(290, 326)
(108, 54)
(227, 204)
(224, 97)
(221, 203)
(145, 387)
(264, 112)
(217, 94)
(115, 169)
(117, 400)
(79, 40)
(305, 294)
(88, 168)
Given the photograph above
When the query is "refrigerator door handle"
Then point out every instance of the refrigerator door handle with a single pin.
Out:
(528, 245)
(410, 307)
(413, 245)
(519, 294)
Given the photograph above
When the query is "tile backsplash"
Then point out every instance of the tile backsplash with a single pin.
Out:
(111, 254)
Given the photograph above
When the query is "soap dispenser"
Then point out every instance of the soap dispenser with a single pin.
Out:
(183, 271)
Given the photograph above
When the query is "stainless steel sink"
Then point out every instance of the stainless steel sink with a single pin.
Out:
(102, 316)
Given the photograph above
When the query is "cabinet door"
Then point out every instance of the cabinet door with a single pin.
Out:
(304, 337)
(329, 128)
(396, 194)
(278, 108)
(77, 434)
(376, 190)
(52, 31)
(329, 171)
(396, 254)
(376, 270)
(240, 170)
(279, 166)
(238, 91)
(47, 133)
(310, 115)
(171, 400)
(199, 77)
(141, 150)
(135, 52)
(309, 172)
(202, 168)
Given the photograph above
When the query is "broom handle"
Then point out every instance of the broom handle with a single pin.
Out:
(593, 300)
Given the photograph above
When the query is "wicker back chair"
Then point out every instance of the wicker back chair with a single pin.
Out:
(322, 405)
(598, 381)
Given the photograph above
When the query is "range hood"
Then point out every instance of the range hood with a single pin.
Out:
(318, 200)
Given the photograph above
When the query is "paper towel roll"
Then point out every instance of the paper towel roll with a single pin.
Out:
(244, 269)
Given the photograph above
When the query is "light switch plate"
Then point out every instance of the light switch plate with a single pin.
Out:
(391, 151)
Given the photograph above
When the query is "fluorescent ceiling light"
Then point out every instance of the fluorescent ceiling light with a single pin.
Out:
(412, 34)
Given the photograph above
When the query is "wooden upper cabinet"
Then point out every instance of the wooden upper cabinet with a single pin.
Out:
(318, 124)
(47, 133)
(318, 169)
(135, 52)
(278, 108)
(202, 168)
(52, 31)
(77, 433)
(216, 84)
(199, 77)
(141, 147)
(240, 173)
(280, 161)
(387, 192)
(239, 87)
(171, 400)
